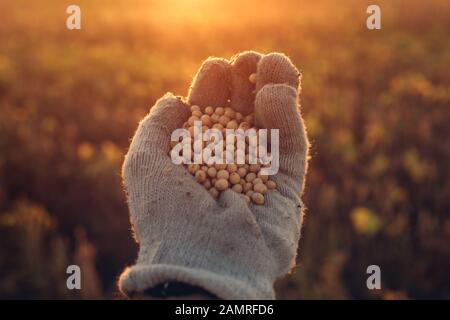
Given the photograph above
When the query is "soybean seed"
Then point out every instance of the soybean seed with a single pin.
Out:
(220, 111)
(237, 188)
(271, 184)
(215, 118)
(212, 172)
(200, 176)
(250, 177)
(193, 168)
(195, 108)
(221, 184)
(230, 113)
(206, 120)
(209, 110)
(223, 120)
(248, 186)
(234, 178)
(197, 114)
(223, 174)
(260, 188)
(256, 181)
(242, 172)
(232, 124)
(257, 198)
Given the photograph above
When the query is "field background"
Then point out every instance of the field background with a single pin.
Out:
(376, 104)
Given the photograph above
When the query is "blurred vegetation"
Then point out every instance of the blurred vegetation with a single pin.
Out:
(376, 104)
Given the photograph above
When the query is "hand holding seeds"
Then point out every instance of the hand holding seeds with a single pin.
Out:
(239, 226)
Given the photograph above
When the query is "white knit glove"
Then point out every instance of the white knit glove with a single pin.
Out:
(230, 248)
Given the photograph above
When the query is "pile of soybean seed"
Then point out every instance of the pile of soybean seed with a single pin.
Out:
(245, 179)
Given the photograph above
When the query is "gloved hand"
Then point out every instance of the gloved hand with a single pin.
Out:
(230, 248)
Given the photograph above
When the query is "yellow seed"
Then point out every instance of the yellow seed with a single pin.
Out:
(237, 188)
(200, 176)
(212, 172)
(207, 184)
(213, 191)
(271, 184)
(195, 108)
(215, 118)
(209, 110)
(230, 113)
(223, 120)
(219, 110)
(257, 198)
(243, 178)
(232, 124)
(206, 120)
(223, 174)
(242, 172)
(221, 184)
(234, 178)
(247, 198)
(250, 177)
(260, 188)
(193, 168)
(197, 114)
(257, 180)
(252, 78)
(247, 186)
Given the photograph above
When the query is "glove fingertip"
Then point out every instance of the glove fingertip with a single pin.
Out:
(210, 86)
(277, 68)
(242, 90)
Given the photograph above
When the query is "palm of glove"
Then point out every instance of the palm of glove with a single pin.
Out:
(226, 246)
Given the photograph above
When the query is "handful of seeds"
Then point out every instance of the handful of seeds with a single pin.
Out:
(243, 177)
